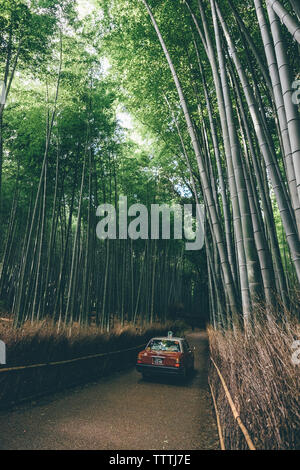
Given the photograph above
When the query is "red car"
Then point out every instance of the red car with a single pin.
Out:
(166, 355)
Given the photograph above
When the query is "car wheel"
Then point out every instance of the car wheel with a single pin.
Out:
(185, 374)
(191, 371)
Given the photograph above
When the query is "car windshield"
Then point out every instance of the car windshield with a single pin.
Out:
(164, 345)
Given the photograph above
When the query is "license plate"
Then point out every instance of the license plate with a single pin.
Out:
(157, 360)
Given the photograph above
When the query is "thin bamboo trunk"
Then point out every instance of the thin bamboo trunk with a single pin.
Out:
(292, 25)
(249, 276)
(204, 178)
(279, 103)
(292, 113)
(287, 219)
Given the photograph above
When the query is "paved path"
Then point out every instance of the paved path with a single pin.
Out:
(120, 411)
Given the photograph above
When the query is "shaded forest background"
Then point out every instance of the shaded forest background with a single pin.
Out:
(64, 150)
(212, 116)
(75, 75)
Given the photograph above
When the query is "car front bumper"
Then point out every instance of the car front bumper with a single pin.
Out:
(159, 370)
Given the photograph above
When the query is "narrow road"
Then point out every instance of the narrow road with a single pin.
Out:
(121, 411)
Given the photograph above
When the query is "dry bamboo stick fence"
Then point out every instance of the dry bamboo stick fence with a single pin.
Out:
(233, 409)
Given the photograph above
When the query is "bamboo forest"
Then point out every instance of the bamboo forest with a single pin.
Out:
(187, 104)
